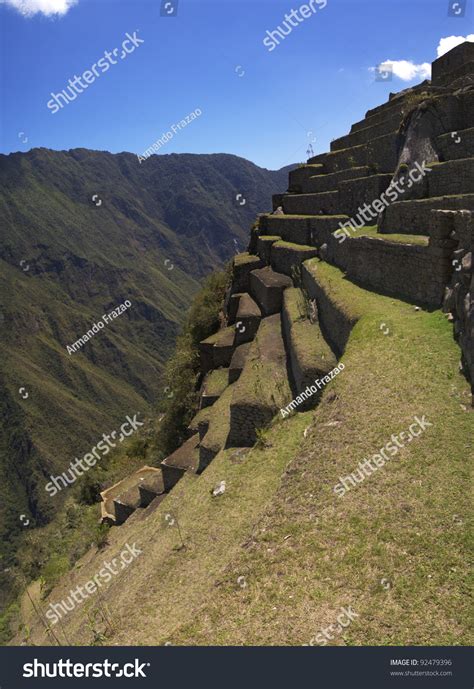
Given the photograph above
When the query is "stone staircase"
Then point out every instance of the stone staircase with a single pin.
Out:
(137, 490)
(283, 331)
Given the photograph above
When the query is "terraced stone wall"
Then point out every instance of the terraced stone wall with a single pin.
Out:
(459, 293)
(390, 267)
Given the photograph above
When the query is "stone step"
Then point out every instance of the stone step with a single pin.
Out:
(413, 217)
(326, 203)
(319, 183)
(448, 178)
(286, 258)
(232, 306)
(247, 320)
(309, 355)
(266, 287)
(124, 497)
(403, 101)
(302, 173)
(388, 263)
(365, 134)
(184, 459)
(199, 421)
(243, 265)
(353, 194)
(216, 351)
(341, 160)
(375, 116)
(335, 320)
(449, 67)
(238, 362)
(291, 228)
(214, 384)
(151, 488)
(380, 153)
(263, 386)
(302, 229)
(451, 178)
(462, 76)
(264, 245)
(215, 437)
(456, 144)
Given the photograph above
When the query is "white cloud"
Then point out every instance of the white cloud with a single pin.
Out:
(28, 8)
(449, 42)
(405, 69)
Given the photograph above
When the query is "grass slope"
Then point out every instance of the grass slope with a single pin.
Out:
(394, 547)
(64, 262)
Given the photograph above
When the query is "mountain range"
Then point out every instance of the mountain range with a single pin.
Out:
(83, 232)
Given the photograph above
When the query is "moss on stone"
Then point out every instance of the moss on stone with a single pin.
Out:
(371, 231)
(293, 247)
(320, 269)
(263, 379)
(200, 417)
(245, 258)
(309, 348)
(219, 420)
(269, 238)
(296, 216)
(222, 337)
(216, 382)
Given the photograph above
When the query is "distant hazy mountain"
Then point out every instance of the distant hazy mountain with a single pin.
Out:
(82, 232)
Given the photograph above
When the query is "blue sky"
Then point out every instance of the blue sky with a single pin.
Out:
(309, 88)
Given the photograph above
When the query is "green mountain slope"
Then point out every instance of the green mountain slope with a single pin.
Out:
(159, 228)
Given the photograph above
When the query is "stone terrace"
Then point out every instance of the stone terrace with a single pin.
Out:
(282, 330)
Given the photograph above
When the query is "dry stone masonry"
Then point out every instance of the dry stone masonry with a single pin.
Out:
(283, 329)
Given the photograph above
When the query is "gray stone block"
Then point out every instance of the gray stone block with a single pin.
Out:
(267, 287)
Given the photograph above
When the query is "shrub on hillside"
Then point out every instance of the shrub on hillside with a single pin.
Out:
(182, 370)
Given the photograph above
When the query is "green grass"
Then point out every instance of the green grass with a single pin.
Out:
(244, 259)
(219, 418)
(83, 260)
(221, 336)
(145, 608)
(263, 378)
(406, 524)
(269, 238)
(217, 381)
(149, 445)
(303, 552)
(295, 247)
(371, 231)
(307, 343)
(308, 217)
